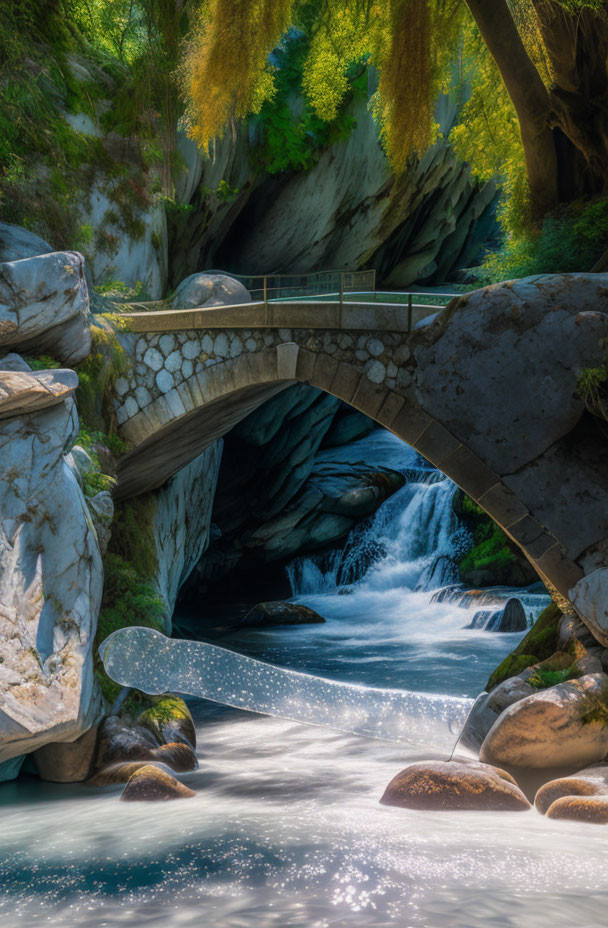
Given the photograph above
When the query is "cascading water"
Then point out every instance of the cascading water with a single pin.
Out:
(411, 543)
(285, 829)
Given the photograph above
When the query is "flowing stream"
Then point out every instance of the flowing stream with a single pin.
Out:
(286, 830)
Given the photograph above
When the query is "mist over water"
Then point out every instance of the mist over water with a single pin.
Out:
(286, 830)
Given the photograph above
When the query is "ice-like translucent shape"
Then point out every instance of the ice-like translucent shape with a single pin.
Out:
(148, 661)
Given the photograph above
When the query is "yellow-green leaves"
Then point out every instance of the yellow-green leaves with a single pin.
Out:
(226, 73)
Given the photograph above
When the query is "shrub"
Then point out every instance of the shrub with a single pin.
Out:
(572, 238)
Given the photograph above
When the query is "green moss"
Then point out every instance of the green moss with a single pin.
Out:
(572, 238)
(96, 378)
(539, 644)
(510, 667)
(492, 558)
(42, 362)
(93, 442)
(133, 534)
(544, 677)
(127, 600)
(598, 715)
(164, 709)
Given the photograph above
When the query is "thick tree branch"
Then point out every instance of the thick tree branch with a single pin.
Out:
(529, 96)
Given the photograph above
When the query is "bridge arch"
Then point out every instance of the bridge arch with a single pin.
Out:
(176, 426)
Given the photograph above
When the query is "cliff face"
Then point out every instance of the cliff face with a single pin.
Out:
(348, 211)
(145, 219)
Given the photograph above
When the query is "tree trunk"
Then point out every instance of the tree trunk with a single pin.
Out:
(577, 47)
(529, 96)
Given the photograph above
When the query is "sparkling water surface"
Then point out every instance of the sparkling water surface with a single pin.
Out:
(286, 828)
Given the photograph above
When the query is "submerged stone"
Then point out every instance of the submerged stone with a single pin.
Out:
(150, 784)
(455, 785)
(266, 615)
(592, 781)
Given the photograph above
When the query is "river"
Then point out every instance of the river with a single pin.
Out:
(286, 829)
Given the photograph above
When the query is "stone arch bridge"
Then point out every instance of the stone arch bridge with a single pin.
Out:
(486, 392)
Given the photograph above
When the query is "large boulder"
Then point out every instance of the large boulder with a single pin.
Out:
(505, 361)
(488, 707)
(590, 599)
(564, 725)
(208, 290)
(44, 306)
(455, 785)
(50, 575)
(17, 243)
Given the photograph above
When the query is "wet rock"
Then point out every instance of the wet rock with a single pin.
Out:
(209, 290)
(44, 306)
(511, 619)
(169, 720)
(121, 773)
(265, 615)
(565, 724)
(593, 809)
(592, 781)
(151, 784)
(177, 755)
(590, 599)
(454, 785)
(487, 709)
(119, 742)
(67, 762)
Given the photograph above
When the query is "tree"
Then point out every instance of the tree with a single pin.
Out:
(563, 126)
(561, 102)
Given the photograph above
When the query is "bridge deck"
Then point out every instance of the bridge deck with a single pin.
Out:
(296, 314)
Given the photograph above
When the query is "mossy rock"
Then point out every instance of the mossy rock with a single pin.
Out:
(539, 644)
(169, 719)
(493, 559)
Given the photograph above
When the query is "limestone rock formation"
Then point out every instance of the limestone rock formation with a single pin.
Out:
(207, 290)
(182, 521)
(44, 306)
(50, 574)
(266, 615)
(351, 212)
(564, 725)
(455, 785)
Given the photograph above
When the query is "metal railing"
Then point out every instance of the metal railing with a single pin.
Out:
(341, 287)
(284, 286)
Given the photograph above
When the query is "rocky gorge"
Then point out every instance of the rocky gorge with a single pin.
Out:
(207, 523)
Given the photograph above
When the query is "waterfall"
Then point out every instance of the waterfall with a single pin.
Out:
(413, 541)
